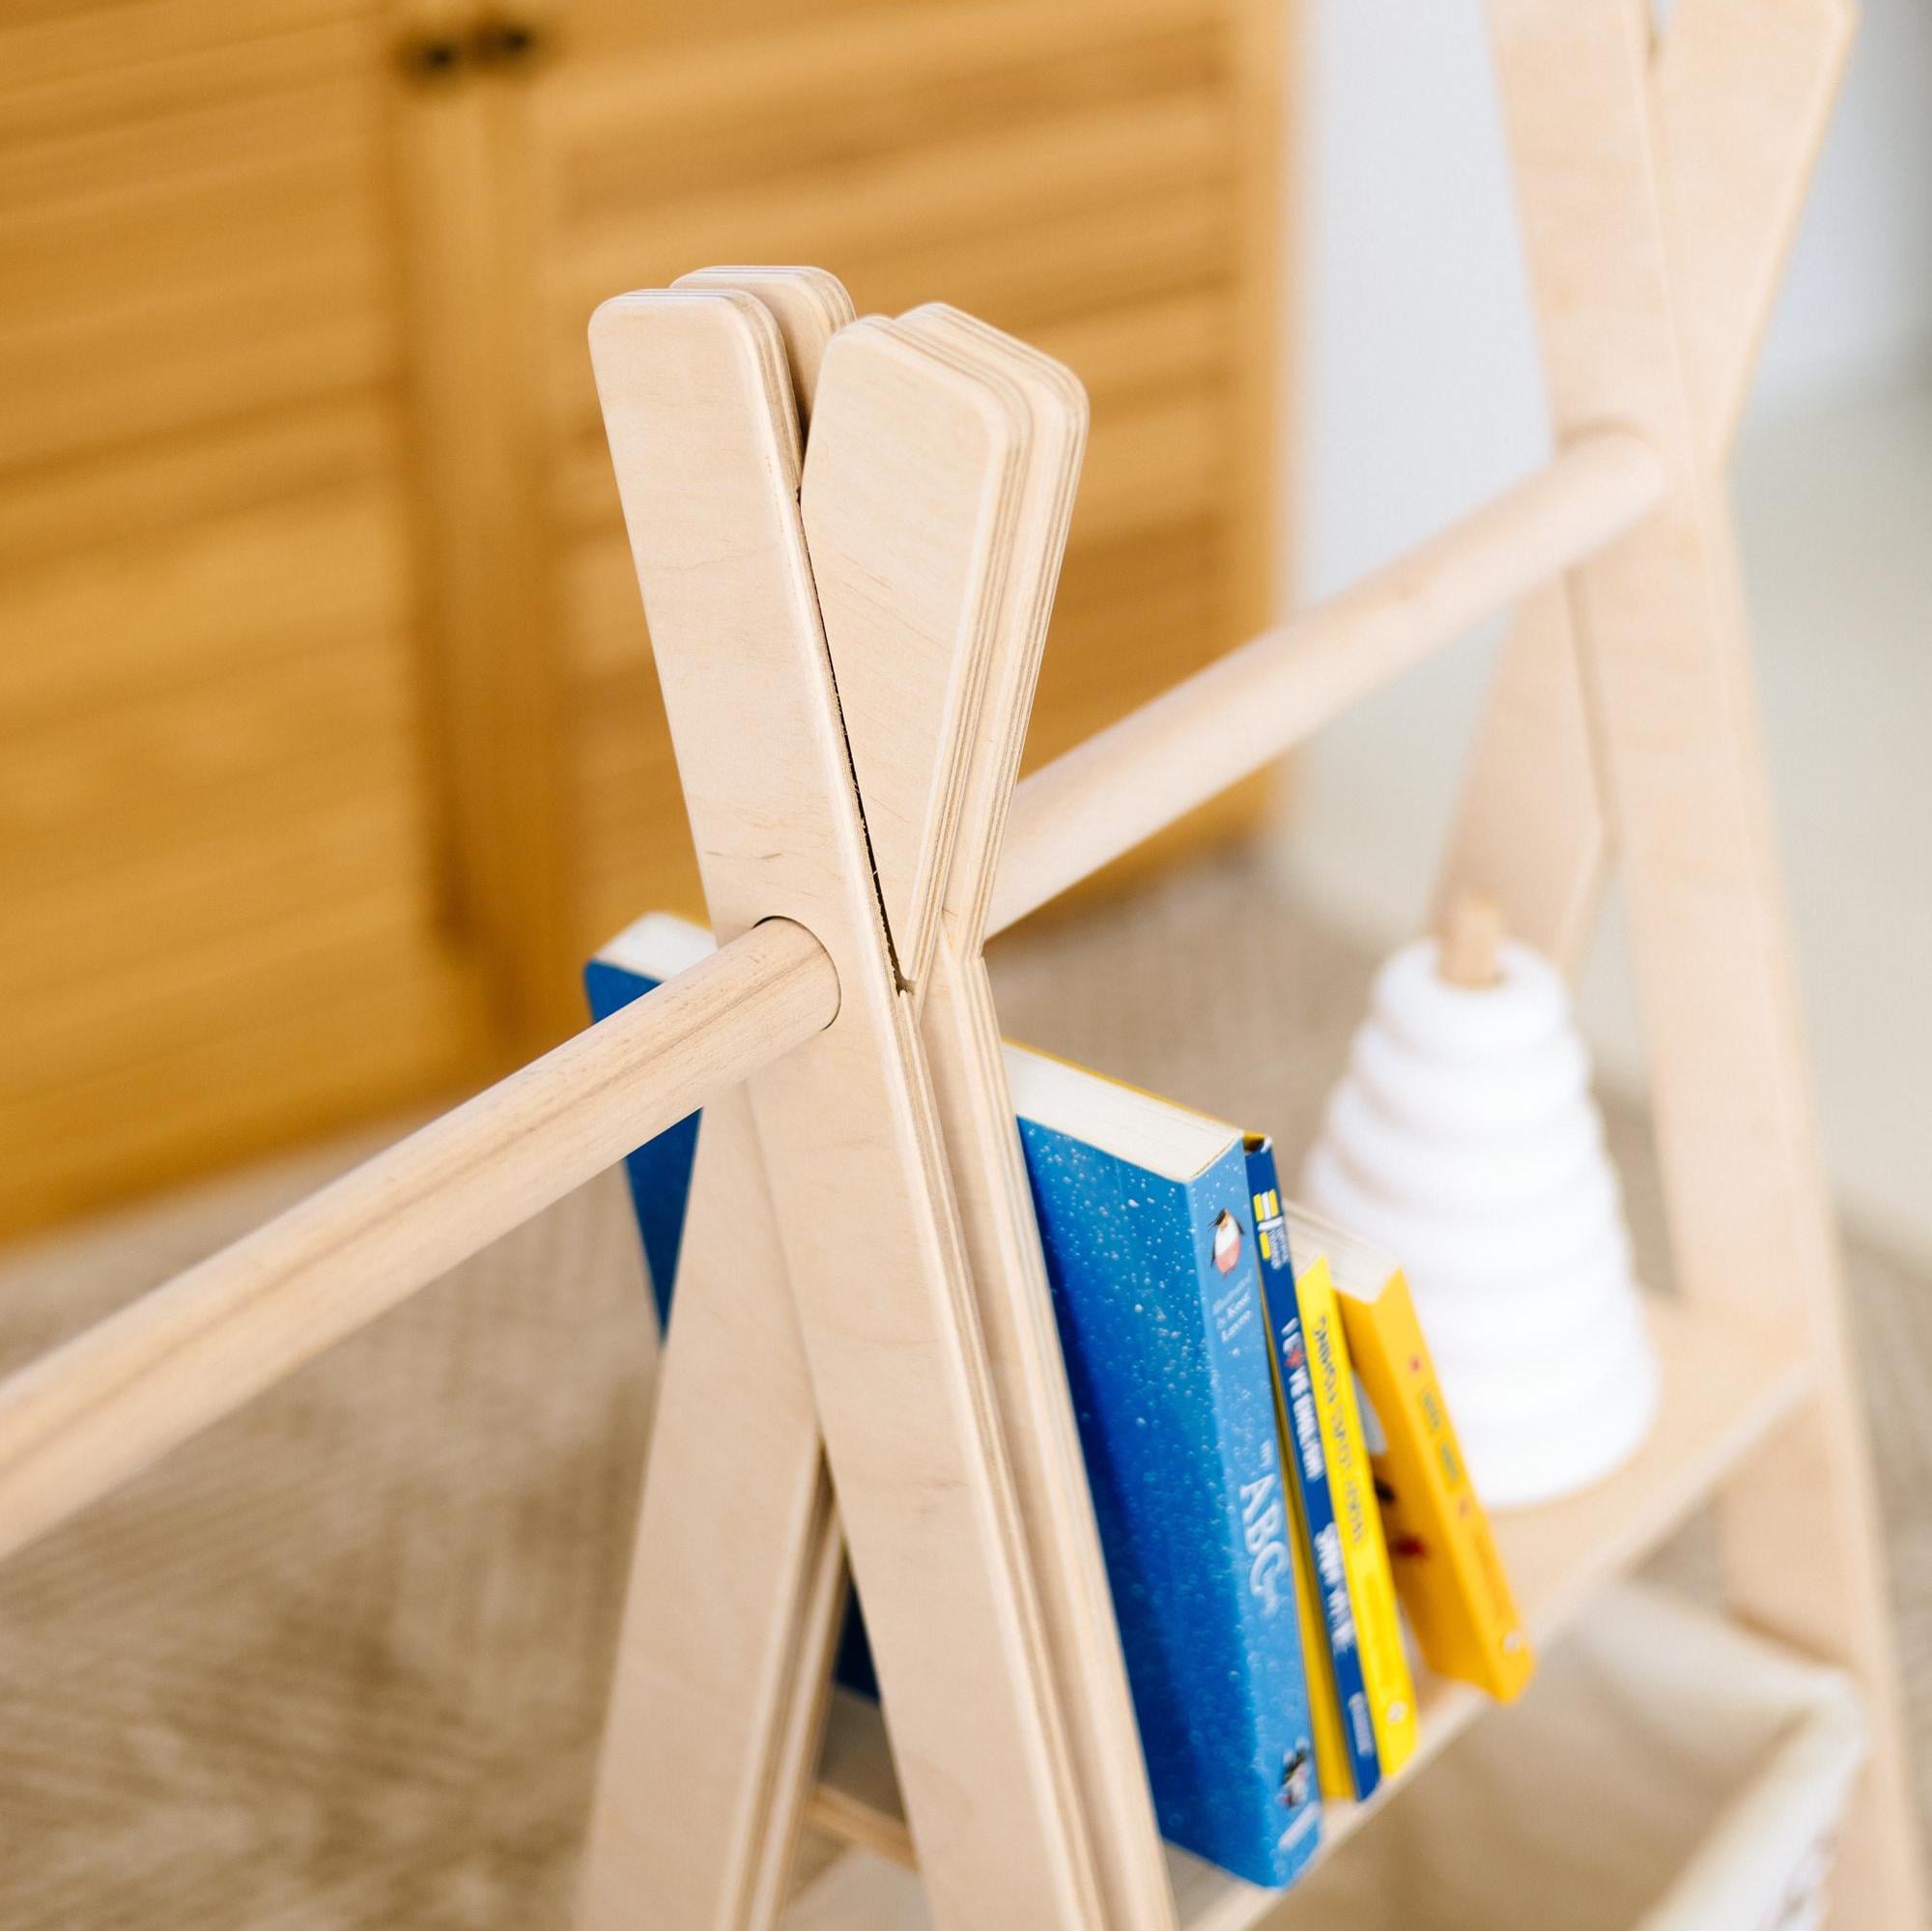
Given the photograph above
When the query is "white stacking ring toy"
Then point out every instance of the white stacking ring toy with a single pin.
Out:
(1465, 1140)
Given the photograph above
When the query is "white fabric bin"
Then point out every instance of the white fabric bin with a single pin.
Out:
(1666, 1772)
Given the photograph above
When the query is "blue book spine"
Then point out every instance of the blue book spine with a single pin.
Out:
(1157, 1295)
(660, 1170)
(1282, 1315)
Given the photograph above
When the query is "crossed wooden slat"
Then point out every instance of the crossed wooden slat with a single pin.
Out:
(848, 647)
(1739, 94)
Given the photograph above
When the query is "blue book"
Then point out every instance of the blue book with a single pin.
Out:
(1151, 1252)
(1147, 1232)
(1347, 1729)
(638, 959)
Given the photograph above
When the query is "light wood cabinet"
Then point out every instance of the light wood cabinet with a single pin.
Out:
(216, 817)
(329, 736)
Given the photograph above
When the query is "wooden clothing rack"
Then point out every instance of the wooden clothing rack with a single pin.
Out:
(848, 624)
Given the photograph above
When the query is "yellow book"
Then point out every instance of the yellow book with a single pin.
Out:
(1365, 1558)
(1448, 1570)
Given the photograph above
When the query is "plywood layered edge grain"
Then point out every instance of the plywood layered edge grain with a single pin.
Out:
(1727, 1381)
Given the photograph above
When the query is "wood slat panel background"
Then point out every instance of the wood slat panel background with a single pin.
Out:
(217, 818)
(329, 733)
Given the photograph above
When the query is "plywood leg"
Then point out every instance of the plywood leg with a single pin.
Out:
(737, 1576)
(722, 1660)
(1739, 94)
(855, 549)
(1530, 827)
(1667, 678)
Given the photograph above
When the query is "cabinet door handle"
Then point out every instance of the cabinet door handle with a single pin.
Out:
(503, 40)
(431, 60)
(494, 41)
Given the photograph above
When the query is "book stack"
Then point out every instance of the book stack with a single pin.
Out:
(1274, 1471)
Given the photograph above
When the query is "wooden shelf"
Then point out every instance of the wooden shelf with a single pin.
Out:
(1726, 1381)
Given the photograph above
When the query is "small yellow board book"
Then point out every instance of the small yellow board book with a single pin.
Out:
(1447, 1567)
(1334, 1775)
(1365, 1557)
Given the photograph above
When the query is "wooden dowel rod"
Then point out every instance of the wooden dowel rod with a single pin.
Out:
(91, 1413)
(100, 1409)
(1157, 763)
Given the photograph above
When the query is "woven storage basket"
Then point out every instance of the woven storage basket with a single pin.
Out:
(1665, 1772)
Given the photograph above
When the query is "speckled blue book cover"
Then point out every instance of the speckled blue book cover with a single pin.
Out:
(1157, 1298)
(1155, 1290)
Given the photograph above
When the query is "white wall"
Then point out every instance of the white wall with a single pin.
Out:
(1857, 307)
(1419, 377)
(1420, 396)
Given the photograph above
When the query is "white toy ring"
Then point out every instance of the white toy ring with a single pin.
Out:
(1527, 1007)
